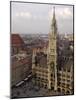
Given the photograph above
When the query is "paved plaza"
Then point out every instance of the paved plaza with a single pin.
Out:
(27, 89)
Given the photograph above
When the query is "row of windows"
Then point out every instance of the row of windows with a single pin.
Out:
(64, 83)
(65, 75)
(41, 76)
(64, 80)
(64, 86)
(64, 91)
(42, 79)
(62, 72)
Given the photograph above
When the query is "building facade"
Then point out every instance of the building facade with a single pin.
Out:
(21, 62)
(47, 69)
(20, 69)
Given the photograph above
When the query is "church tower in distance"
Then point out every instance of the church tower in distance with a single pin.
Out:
(52, 55)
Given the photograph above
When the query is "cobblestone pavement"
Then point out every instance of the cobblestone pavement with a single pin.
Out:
(27, 89)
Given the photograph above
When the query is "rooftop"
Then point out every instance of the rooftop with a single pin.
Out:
(16, 40)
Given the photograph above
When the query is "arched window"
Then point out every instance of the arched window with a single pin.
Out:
(45, 86)
(59, 90)
(63, 90)
(68, 92)
(52, 64)
(52, 88)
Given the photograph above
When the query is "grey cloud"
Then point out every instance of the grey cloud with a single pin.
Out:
(35, 18)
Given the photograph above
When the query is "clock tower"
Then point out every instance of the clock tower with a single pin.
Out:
(52, 55)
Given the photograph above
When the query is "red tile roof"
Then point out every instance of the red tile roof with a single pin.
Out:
(16, 40)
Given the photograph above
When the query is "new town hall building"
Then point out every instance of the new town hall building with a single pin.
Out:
(54, 69)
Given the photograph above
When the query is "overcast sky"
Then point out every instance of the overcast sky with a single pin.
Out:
(36, 18)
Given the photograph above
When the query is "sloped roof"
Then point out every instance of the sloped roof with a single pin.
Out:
(16, 40)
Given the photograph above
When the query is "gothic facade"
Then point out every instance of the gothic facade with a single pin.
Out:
(47, 69)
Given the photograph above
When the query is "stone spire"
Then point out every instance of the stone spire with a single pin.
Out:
(52, 54)
(54, 25)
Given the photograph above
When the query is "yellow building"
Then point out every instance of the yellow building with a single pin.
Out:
(45, 68)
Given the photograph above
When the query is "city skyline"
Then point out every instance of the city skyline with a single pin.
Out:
(41, 67)
(38, 18)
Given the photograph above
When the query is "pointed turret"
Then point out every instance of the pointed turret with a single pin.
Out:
(54, 25)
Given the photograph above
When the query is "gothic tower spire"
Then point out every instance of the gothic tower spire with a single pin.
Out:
(54, 25)
(52, 55)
